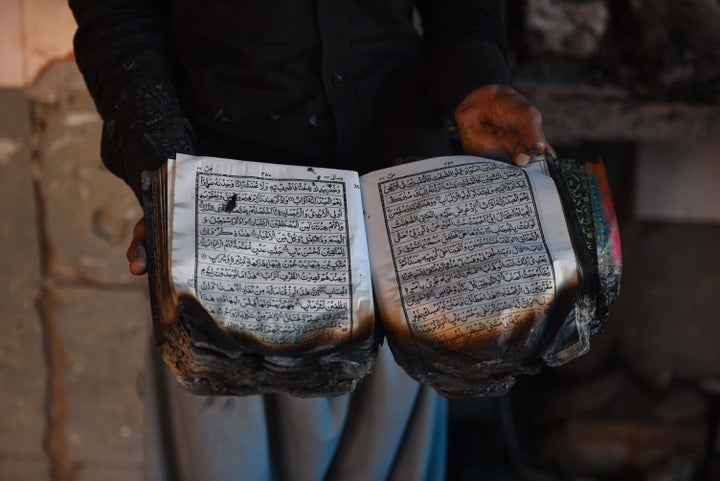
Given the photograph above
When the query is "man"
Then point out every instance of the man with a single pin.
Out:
(337, 83)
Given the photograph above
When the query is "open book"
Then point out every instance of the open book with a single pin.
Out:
(268, 278)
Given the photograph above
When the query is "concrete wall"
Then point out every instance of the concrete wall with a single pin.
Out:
(74, 320)
(33, 33)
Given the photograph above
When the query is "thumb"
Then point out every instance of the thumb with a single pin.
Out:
(136, 253)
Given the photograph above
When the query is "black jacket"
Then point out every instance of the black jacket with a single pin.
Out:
(341, 83)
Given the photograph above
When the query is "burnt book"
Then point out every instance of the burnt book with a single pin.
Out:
(281, 278)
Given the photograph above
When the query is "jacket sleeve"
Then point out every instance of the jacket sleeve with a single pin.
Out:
(122, 51)
(465, 38)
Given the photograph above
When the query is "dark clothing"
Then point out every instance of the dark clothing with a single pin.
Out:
(338, 83)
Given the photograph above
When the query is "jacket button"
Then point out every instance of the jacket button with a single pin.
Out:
(338, 79)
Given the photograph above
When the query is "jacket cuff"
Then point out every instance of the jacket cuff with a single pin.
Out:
(144, 123)
(129, 152)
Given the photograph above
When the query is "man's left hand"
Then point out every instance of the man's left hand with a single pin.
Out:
(497, 121)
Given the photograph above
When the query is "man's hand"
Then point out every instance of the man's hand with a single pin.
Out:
(497, 121)
(136, 253)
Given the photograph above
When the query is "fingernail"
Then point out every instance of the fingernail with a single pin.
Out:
(522, 159)
(539, 147)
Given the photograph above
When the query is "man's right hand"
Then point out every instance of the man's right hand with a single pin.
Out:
(136, 253)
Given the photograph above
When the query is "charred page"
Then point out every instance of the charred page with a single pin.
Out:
(269, 276)
(260, 273)
(474, 269)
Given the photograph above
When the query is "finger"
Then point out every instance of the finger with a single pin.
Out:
(527, 120)
(523, 156)
(531, 138)
(138, 263)
(136, 253)
(521, 159)
(503, 144)
(138, 236)
(488, 140)
(139, 230)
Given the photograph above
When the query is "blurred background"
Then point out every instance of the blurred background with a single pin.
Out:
(634, 81)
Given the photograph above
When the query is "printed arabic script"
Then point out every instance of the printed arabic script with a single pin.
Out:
(273, 256)
(468, 250)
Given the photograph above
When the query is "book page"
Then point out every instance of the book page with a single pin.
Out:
(465, 246)
(274, 252)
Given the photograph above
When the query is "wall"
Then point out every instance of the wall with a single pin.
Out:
(32, 34)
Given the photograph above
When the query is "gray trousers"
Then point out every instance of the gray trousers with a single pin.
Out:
(391, 428)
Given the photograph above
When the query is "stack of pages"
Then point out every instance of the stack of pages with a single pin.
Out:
(282, 278)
